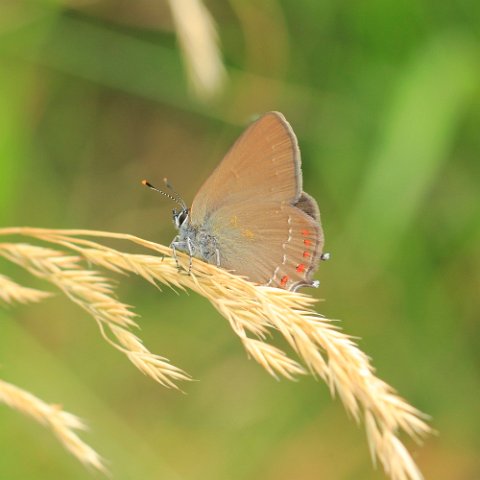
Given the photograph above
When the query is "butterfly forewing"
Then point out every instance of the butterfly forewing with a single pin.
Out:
(263, 164)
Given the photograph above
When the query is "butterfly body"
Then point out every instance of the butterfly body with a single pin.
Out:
(251, 216)
(198, 241)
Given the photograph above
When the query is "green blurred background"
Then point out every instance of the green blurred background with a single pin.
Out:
(384, 97)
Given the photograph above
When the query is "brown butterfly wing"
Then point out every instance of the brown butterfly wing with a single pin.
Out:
(266, 228)
(263, 163)
(276, 244)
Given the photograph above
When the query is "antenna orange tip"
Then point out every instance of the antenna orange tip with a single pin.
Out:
(144, 182)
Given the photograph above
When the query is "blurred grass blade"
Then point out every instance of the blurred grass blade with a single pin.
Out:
(199, 43)
(15, 92)
(137, 66)
(140, 67)
(419, 131)
(62, 423)
(13, 135)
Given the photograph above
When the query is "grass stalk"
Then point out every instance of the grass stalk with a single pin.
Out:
(253, 311)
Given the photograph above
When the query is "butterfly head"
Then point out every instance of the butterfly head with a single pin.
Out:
(179, 217)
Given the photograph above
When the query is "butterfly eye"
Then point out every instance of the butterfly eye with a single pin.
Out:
(179, 218)
(182, 217)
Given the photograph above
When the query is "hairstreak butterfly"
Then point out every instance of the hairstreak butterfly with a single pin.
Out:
(251, 216)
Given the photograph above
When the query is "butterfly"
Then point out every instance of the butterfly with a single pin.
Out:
(251, 216)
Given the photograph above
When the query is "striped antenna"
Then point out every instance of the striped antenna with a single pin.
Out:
(176, 198)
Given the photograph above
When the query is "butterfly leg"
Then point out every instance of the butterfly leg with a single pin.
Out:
(180, 245)
(190, 253)
(184, 246)
(173, 246)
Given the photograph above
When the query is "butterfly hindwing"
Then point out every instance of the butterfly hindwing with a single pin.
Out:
(273, 244)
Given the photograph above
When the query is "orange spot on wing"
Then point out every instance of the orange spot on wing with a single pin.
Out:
(248, 233)
(305, 232)
(307, 242)
(306, 254)
(284, 280)
(300, 268)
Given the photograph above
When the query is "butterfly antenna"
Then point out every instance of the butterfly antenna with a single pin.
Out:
(176, 199)
(177, 196)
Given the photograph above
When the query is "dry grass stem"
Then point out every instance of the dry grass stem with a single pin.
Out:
(253, 312)
(12, 292)
(60, 422)
(198, 40)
